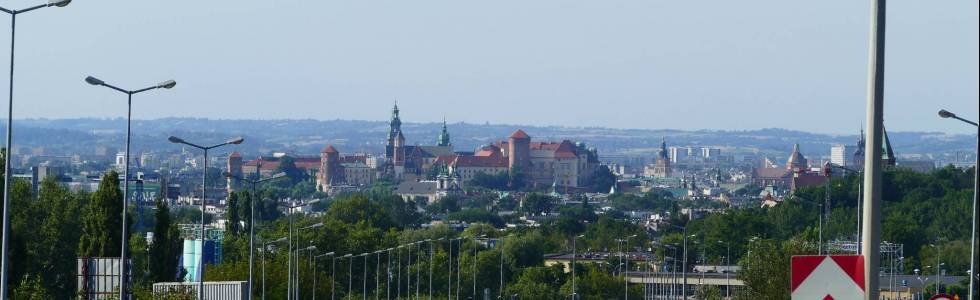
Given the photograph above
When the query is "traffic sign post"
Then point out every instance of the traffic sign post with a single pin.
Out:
(827, 277)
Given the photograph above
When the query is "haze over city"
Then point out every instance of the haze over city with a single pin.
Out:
(508, 150)
(627, 64)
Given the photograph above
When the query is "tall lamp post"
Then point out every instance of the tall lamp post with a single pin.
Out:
(10, 125)
(574, 254)
(626, 269)
(290, 272)
(265, 248)
(169, 84)
(314, 270)
(296, 257)
(204, 191)
(973, 234)
(684, 262)
(251, 222)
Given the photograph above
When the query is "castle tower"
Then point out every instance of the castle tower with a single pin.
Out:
(519, 149)
(235, 169)
(329, 166)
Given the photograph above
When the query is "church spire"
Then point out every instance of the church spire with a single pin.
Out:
(887, 155)
(443, 139)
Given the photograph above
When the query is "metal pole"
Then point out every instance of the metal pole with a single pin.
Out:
(263, 271)
(430, 269)
(500, 293)
(333, 276)
(673, 274)
(350, 276)
(364, 289)
(388, 277)
(459, 267)
(574, 255)
(626, 268)
(314, 275)
(408, 272)
(418, 270)
(450, 281)
(684, 267)
(289, 255)
(6, 166)
(204, 191)
(973, 235)
(728, 271)
(377, 277)
(398, 277)
(474, 272)
(125, 199)
(857, 249)
(251, 239)
(820, 230)
(871, 226)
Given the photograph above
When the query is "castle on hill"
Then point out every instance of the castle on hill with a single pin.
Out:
(561, 164)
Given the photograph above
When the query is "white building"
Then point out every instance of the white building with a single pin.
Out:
(678, 154)
(842, 155)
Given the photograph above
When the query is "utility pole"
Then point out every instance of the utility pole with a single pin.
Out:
(871, 227)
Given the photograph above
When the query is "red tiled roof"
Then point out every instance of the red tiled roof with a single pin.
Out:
(519, 134)
(488, 151)
(445, 159)
(272, 163)
(807, 180)
(495, 161)
(329, 149)
(771, 173)
(565, 150)
(544, 146)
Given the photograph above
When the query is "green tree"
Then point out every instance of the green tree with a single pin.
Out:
(448, 204)
(59, 227)
(537, 203)
(102, 221)
(766, 269)
(603, 179)
(166, 247)
(234, 219)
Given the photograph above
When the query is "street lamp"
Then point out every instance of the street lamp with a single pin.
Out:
(289, 212)
(10, 125)
(860, 202)
(626, 282)
(204, 191)
(574, 255)
(251, 222)
(264, 249)
(430, 264)
(129, 116)
(311, 248)
(976, 184)
(684, 262)
(314, 270)
(296, 257)
(728, 268)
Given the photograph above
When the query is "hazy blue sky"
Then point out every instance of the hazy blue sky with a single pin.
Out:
(616, 63)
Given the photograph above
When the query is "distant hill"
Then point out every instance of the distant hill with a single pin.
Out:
(68, 136)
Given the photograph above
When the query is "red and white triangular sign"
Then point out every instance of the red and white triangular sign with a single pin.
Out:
(834, 277)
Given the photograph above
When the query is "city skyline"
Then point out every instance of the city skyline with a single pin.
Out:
(591, 64)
